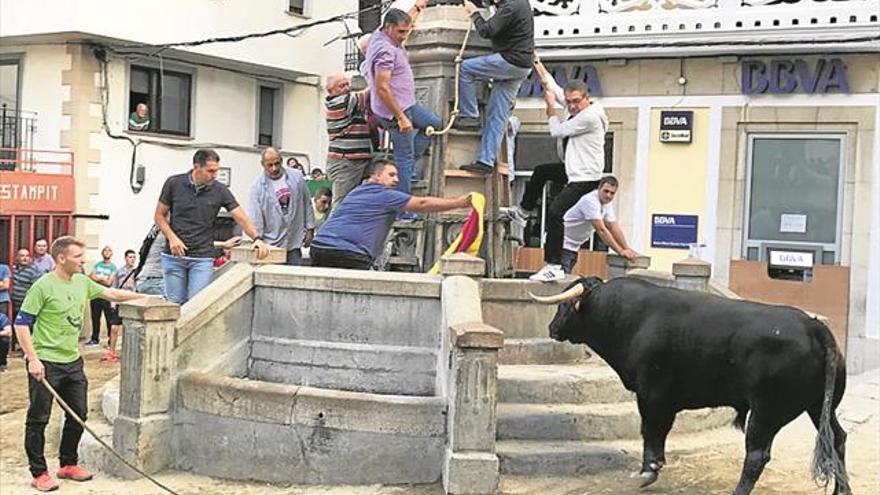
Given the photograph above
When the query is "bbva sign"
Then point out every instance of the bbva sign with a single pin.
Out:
(791, 76)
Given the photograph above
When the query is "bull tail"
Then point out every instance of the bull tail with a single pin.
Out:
(827, 465)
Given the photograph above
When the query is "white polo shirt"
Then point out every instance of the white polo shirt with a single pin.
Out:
(579, 218)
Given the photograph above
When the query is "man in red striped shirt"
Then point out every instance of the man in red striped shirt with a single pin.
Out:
(350, 145)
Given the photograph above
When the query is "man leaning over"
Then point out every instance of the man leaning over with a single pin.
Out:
(280, 207)
(192, 201)
(354, 234)
(54, 308)
(594, 213)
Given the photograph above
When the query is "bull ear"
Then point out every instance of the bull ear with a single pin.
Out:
(577, 305)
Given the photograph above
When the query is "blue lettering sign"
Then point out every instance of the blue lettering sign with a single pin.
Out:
(673, 231)
(532, 87)
(791, 76)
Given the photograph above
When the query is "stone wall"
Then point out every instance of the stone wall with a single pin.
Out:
(346, 329)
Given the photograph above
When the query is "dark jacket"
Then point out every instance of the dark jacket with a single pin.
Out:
(511, 30)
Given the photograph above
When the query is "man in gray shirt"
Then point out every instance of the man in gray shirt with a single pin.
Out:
(280, 207)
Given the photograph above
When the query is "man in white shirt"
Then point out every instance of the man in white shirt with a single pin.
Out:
(584, 130)
(594, 213)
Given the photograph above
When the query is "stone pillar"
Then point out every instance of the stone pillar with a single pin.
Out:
(471, 465)
(692, 274)
(618, 265)
(469, 367)
(142, 432)
(462, 264)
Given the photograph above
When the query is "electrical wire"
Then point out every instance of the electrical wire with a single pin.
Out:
(293, 30)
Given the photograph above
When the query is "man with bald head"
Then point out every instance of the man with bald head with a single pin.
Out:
(280, 207)
(350, 147)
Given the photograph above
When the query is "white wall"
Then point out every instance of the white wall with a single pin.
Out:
(166, 21)
(41, 90)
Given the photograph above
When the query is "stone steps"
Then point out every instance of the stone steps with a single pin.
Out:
(541, 351)
(589, 383)
(540, 458)
(575, 457)
(550, 422)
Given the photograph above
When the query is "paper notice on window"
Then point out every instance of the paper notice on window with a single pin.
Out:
(793, 224)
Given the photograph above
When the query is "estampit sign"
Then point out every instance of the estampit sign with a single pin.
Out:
(22, 192)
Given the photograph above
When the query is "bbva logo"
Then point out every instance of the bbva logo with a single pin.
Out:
(661, 220)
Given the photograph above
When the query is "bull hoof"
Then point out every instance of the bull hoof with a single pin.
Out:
(646, 478)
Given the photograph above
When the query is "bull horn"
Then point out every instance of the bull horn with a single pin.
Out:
(571, 293)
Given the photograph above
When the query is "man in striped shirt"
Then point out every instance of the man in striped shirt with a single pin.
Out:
(350, 146)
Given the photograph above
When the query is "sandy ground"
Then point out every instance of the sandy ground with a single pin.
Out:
(705, 464)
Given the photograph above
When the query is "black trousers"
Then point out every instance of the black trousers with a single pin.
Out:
(571, 193)
(70, 382)
(100, 306)
(548, 172)
(339, 258)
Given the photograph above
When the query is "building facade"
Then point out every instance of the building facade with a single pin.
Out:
(72, 74)
(747, 128)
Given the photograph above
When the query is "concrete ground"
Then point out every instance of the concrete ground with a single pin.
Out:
(700, 464)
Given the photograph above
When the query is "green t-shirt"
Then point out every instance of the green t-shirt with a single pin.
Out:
(58, 306)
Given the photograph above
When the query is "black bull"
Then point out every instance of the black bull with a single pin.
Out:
(687, 350)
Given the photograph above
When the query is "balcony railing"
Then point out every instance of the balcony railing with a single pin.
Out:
(37, 161)
(17, 129)
(645, 26)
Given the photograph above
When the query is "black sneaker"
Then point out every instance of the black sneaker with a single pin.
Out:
(466, 124)
(477, 168)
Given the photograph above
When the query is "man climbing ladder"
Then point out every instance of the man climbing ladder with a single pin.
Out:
(512, 32)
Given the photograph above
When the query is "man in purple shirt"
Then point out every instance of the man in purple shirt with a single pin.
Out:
(392, 94)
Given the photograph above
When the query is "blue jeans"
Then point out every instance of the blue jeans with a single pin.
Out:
(506, 80)
(185, 277)
(153, 286)
(411, 146)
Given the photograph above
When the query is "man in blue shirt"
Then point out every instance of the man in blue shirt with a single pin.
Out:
(5, 277)
(354, 234)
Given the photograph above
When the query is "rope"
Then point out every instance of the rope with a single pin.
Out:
(430, 131)
(82, 423)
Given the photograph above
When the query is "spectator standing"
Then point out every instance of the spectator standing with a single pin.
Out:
(124, 279)
(5, 337)
(294, 164)
(148, 274)
(392, 95)
(512, 33)
(104, 273)
(321, 206)
(55, 307)
(5, 279)
(350, 147)
(354, 235)
(42, 261)
(280, 207)
(24, 274)
(585, 129)
(192, 201)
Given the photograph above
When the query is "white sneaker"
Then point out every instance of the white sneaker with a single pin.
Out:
(550, 273)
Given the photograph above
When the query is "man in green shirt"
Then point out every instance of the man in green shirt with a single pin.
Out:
(54, 309)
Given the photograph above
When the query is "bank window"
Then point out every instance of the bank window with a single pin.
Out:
(159, 101)
(268, 115)
(535, 148)
(794, 190)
